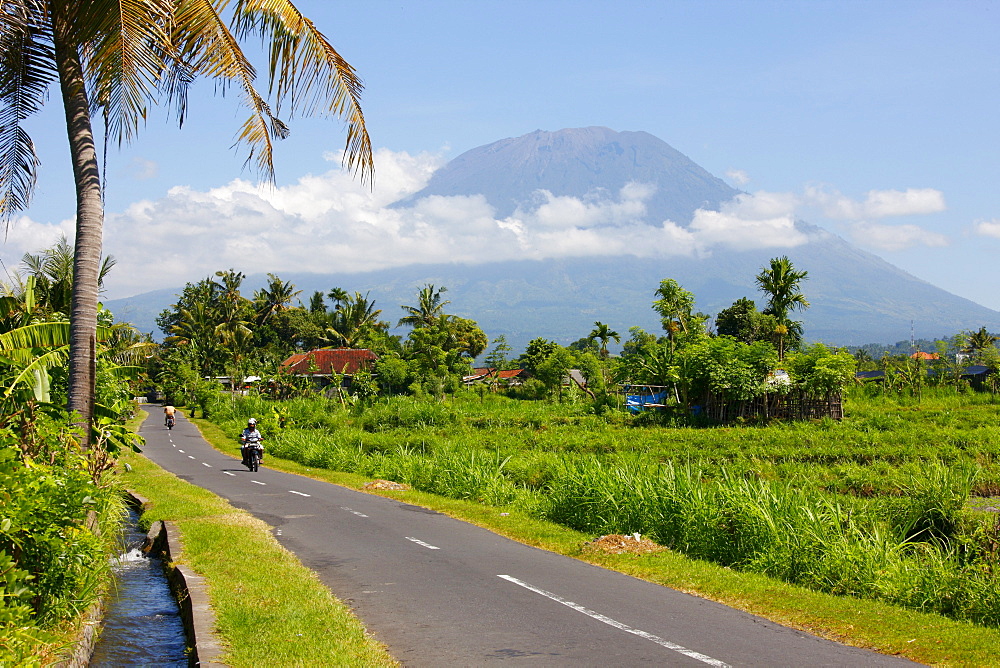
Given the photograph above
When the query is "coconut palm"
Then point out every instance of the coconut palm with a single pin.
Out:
(978, 341)
(118, 57)
(355, 317)
(429, 309)
(603, 333)
(53, 273)
(275, 298)
(780, 281)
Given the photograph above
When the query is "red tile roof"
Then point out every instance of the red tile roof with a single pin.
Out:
(336, 360)
(924, 356)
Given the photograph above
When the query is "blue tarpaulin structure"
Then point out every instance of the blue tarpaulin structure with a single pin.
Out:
(641, 397)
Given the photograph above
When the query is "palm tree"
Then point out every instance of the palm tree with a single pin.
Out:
(603, 333)
(674, 306)
(429, 309)
(977, 341)
(118, 57)
(274, 298)
(53, 272)
(780, 282)
(355, 317)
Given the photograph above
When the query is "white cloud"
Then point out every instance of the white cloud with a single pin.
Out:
(877, 203)
(331, 223)
(895, 237)
(738, 177)
(142, 169)
(987, 228)
(25, 235)
(761, 220)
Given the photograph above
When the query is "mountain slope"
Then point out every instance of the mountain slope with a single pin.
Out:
(580, 163)
(856, 296)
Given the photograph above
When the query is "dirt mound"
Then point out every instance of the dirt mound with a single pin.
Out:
(619, 544)
(385, 484)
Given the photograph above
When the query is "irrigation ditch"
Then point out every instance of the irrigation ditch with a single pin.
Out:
(159, 612)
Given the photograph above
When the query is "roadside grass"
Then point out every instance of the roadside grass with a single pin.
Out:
(270, 609)
(923, 637)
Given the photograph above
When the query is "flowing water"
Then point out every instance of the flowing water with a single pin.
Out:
(142, 623)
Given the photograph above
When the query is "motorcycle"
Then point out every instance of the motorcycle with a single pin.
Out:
(253, 453)
(170, 422)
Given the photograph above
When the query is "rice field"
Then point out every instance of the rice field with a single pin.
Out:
(874, 506)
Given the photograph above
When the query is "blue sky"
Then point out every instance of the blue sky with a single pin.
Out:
(876, 120)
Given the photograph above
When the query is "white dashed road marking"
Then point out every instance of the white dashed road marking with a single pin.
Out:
(208, 465)
(422, 543)
(618, 625)
(292, 491)
(354, 512)
(190, 456)
(258, 482)
(228, 473)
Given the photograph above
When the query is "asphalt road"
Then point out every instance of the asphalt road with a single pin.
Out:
(440, 592)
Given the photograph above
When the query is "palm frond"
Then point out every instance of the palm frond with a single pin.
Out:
(34, 373)
(125, 59)
(35, 336)
(307, 72)
(202, 44)
(26, 70)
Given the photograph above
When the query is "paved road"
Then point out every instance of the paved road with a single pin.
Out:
(440, 592)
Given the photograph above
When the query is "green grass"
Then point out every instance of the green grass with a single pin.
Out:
(291, 620)
(920, 636)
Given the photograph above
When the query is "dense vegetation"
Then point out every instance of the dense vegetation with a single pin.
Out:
(873, 506)
(60, 511)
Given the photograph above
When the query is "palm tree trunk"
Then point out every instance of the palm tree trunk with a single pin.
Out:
(89, 222)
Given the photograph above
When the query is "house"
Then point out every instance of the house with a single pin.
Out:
(490, 375)
(924, 356)
(324, 364)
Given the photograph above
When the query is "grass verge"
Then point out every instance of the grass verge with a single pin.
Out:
(291, 620)
(922, 637)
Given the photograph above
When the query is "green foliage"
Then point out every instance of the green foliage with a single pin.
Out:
(726, 367)
(744, 323)
(53, 559)
(818, 370)
(872, 506)
(537, 351)
(674, 306)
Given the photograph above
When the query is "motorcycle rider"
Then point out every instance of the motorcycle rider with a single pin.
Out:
(251, 438)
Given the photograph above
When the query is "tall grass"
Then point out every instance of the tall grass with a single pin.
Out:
(838, 507)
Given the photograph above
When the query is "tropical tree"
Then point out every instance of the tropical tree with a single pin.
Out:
(355, 317)
(674, 306)
(978, 341)
(53, 272)
(744, 322)
(603, 333)
(780, 281)
(276, 297)
(429, 308)
(116, 58)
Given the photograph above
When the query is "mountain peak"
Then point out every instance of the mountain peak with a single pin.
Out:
(580, 162)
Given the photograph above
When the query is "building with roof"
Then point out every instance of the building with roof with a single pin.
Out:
(502, 377)
(326, 363)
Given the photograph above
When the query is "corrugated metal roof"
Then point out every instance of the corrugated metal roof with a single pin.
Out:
(336, 360)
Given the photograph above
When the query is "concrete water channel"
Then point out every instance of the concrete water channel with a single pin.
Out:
(142, 623)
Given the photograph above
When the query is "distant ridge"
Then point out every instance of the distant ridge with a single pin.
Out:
(856, 296)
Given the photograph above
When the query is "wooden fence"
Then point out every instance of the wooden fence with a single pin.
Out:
(792, 406)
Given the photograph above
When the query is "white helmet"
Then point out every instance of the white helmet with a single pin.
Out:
(252, 421)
